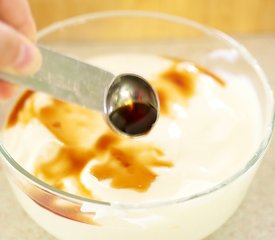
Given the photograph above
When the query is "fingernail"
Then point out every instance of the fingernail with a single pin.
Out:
(28, 60)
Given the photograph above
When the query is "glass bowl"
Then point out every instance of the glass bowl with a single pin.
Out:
(194, 216)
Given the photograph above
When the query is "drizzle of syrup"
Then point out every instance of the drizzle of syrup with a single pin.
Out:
(211, 75)
(182, 80)
(15, 113)
(177, 84)
(131, 166)
(85, 137)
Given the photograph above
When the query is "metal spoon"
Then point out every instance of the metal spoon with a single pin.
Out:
(128, 101)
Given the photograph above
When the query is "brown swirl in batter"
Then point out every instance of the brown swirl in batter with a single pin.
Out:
(85, 137)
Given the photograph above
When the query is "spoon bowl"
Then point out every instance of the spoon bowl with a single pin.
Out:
(131, 105)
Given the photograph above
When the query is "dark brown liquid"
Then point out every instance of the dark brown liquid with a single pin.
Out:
(134, 119)
(127, 164)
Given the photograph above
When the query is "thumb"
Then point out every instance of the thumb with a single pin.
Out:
(18, 55)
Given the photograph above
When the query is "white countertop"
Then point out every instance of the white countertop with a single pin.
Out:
(255, 219)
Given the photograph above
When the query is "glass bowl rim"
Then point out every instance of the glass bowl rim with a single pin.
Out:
(175, 19)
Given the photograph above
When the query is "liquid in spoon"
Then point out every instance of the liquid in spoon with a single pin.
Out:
(134, 119)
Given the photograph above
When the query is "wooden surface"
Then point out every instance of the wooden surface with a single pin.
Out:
(226, 15)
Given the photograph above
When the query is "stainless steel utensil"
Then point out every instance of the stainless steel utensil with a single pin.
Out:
(74, 81)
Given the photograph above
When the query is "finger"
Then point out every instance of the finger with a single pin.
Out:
(18, 54)
(17, 14)
(6, 90)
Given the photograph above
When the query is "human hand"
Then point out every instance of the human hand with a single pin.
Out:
(18, 54)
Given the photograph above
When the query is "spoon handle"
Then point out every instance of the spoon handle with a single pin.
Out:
(67, 79)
